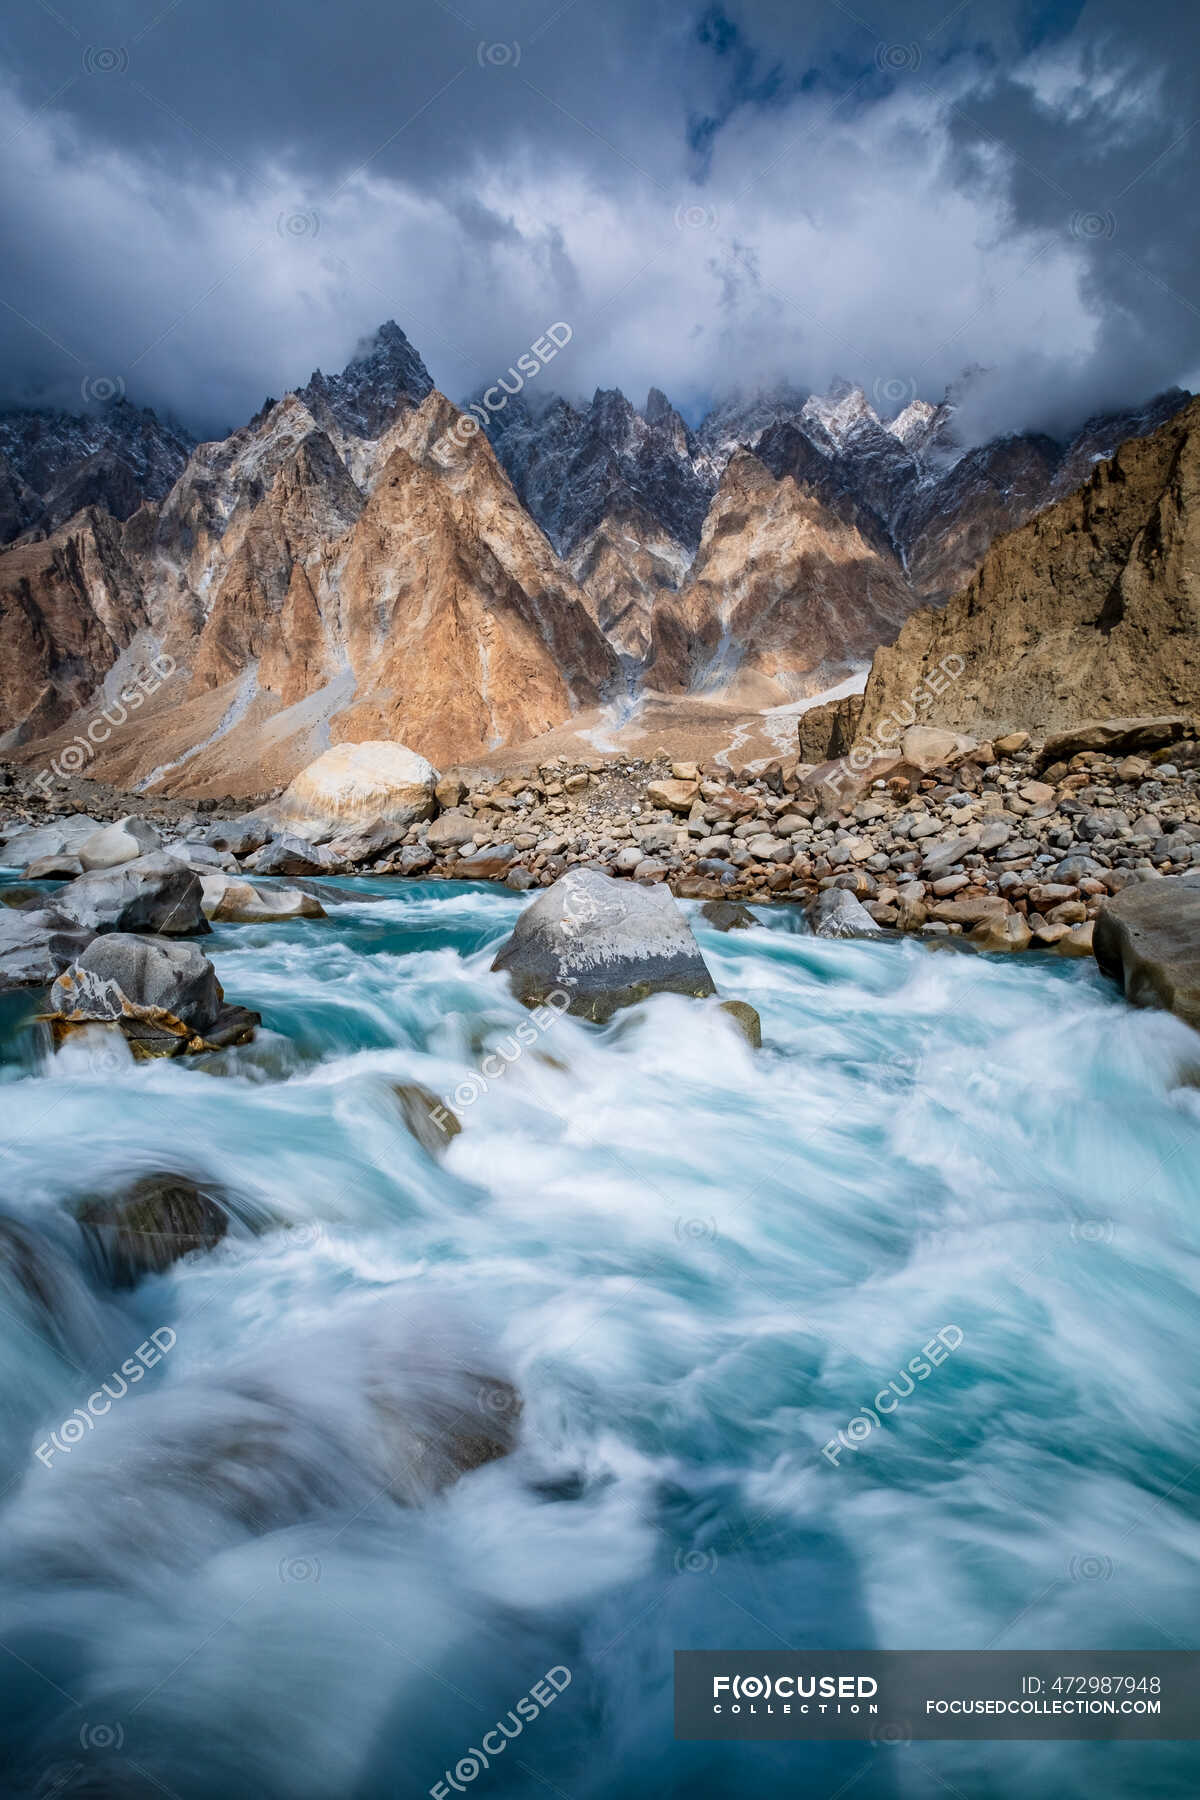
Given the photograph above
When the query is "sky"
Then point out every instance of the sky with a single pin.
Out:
(207, 199)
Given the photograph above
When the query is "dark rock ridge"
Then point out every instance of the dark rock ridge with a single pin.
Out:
(52, 464)
(573, 469)
(906, 485)
(384, 378)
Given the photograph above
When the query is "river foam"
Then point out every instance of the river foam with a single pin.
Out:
(700, 1265)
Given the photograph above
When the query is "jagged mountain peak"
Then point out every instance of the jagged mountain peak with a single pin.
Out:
(841, 413)
(912, 423)
(114, 456)
(384, 377)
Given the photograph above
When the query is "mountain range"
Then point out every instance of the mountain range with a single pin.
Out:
(348, 564)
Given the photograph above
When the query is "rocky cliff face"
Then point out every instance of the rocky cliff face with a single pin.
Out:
(575, 468)
(343, 567)
(69, 606)
(783, 598)
(624, 496)
(312, 583)
(1090, 609)
(53, 464)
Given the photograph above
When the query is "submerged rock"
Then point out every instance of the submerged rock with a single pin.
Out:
(1148, 938)
(432, 1124)
(150, 1225)
(727, 915)
(151, 893)
(602, 944)
(164, 997)
(746, 1018)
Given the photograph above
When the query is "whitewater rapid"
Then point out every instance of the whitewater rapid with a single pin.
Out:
(700, 1266)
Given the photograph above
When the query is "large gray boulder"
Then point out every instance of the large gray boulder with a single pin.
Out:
(835, 913)
(238, 836)
(602, 944)
(1147, 937)
(122, 842)
(164, 997)
(228, 900)
(241, 837)
(36, 946)
(26, 843)
(288, 855)
(153, 893)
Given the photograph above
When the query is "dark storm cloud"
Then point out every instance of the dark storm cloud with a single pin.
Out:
(208, 199)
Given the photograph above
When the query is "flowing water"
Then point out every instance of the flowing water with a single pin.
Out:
(698, 1264)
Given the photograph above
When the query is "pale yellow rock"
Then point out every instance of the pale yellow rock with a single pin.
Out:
(1005, 931)
(1091, 610)
(926, 747)
(677, 795)
(352, 786)
(1078, 940)
(228, 901)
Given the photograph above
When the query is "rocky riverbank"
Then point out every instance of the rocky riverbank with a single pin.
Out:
(1010, 843)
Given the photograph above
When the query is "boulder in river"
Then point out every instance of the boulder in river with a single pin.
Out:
(153, 893)
(746, 1018)
(353, 786)
(490, 864)
(227, 900)
(835, 913)
(149, 1225)
(164, 997)
(1147, 937)
(1001, 931)
(54, 868)
(240, 837)
(602, 944)
(727, 915)
(37, 945)
(432, 1124)
(289, 855)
